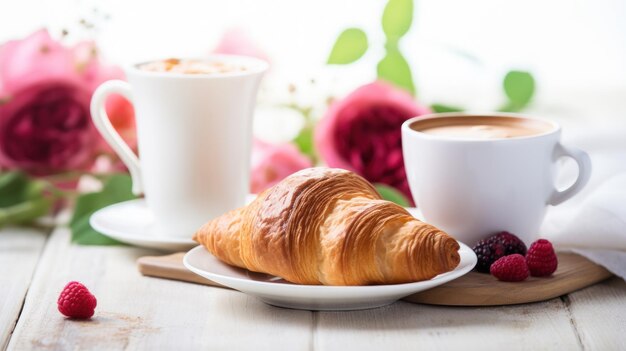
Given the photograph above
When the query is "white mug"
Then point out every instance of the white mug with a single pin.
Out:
(472, 188)
(194, 137)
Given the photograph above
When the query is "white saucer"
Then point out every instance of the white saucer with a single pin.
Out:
(131, 222)
(278, 292)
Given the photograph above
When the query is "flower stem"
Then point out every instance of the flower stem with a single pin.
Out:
(25, 211)
(63, 177)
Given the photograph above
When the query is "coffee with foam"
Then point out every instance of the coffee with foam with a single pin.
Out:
(192, 66)
(473, 127)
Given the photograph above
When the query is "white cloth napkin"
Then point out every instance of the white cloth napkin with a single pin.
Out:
(597, 228)
(599, 222)
(593, 223)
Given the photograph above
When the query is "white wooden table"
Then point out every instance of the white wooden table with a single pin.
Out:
(136, 312)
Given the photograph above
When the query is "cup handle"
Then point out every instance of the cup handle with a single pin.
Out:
(112, 137)
(584, 172)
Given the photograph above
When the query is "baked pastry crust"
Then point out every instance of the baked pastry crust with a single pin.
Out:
(329, 226)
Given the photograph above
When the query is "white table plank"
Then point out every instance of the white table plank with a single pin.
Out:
(599, 314)
(136, 312)
(20, 249)
(405, 326)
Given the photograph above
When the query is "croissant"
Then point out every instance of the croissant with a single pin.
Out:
(329, 226)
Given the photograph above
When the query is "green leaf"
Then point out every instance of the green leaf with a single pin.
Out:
(84, 234)
(14, 188)
(116, 189)
(441, 108)
(349, 47)
(397, 18)
(304, 142)
(519, 87)
(391, 194)
(22, 199)
(394, 69)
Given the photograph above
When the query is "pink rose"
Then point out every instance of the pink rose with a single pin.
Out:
(46, 128)
(237, 42)
(271, 163)
(45, 91)
(361, 133)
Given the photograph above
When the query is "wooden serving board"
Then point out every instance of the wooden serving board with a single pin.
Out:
(473, 289)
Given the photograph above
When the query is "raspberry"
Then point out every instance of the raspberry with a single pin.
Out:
(76, 301)
(511, 268)
(541, 258)
(492, 248)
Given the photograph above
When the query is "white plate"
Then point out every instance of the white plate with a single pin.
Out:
(131, 222)
(278, 292)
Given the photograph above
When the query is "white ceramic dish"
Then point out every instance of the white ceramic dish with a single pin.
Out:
(131, 222)
(278, 292)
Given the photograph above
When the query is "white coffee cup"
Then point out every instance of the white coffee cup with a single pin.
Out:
(472, 188)
(194, 137)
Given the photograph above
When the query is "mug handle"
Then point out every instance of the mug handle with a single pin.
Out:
(584, 172)
(112, 137)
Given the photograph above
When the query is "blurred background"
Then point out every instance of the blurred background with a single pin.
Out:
(458, 51)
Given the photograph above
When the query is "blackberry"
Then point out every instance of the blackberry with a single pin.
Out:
(488, 252)
(512, 244)
(492, 248)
